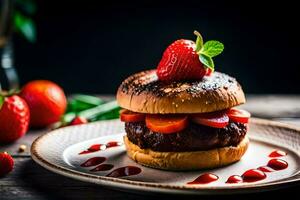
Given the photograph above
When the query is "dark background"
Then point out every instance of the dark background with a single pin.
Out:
(91, 46)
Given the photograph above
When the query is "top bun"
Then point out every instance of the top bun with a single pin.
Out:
(144, 93)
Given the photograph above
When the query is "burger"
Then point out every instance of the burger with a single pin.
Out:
(182, 115)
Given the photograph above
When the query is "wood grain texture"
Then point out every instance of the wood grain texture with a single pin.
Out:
(13, 148)
(30, 181)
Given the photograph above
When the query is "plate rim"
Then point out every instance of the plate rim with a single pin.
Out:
(159, 187)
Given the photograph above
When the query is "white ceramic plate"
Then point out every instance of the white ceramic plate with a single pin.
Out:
(59, 151)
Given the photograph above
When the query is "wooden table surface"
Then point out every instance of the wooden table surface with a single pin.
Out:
(30, 181)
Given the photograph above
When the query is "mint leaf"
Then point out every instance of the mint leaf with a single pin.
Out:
(207, 61)
(212, 48)
(199, 41)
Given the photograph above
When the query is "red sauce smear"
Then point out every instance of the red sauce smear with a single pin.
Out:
(102, 167)
(98, 147)
(112, 144)
(234, 179)
(258, 174)
(265, 169)
(277, 164)
(277, 153)
(124, 171)
(253, 175)
(93, 161)
(205, 179)
(84, 152)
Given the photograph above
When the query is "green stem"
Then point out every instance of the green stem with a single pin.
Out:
(88, 99)
(98, 110)
(199, 41)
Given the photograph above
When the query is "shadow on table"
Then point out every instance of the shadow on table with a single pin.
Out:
(40, 183)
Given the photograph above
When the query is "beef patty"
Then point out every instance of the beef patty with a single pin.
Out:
(193, 138)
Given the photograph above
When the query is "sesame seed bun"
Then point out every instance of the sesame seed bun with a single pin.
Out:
(144, 93)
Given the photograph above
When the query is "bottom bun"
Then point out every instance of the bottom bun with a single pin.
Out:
(192, 160)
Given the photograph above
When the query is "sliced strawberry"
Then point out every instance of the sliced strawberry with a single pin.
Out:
(129, 116)
(166, 123)
(238, 115)
(216, 119)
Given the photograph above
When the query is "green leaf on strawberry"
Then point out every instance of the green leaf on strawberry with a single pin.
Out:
(207, 61)
(212, 48)
(208, 50)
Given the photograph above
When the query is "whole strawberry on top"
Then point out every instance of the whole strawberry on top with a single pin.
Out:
(186, 59)
(14, 118)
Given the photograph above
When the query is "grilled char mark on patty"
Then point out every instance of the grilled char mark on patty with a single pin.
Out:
(193, 138)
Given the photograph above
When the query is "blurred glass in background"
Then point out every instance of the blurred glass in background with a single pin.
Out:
(8, 75)
(15, 16)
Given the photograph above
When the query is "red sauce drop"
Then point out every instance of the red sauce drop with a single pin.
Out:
(277, 164)
(258, 174)
(93, 148)
(102, 167)
(112, 144)
(205, 179)
(253, 175)
(93, 161)
(98, 147)
(234, 179)
(125, 171)
(277, 153)
(265, 169)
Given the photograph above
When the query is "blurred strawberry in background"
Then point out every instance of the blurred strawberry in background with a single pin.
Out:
(6, 163)
(42, 103)
(78, 120)
(14, 118)
(46, 100)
